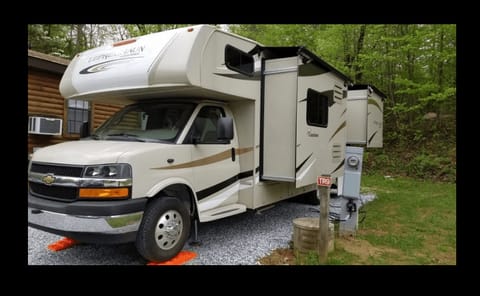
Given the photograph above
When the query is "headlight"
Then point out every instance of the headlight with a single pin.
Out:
(116, 171)
(106, 181)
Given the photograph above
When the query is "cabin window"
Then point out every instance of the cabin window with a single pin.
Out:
(317, 109)
(238, 61)
(78, 112)
(204, 128)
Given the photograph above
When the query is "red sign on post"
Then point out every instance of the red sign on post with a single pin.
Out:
(324, 181)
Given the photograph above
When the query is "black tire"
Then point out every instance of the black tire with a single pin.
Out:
(309, 198)
(164, 229)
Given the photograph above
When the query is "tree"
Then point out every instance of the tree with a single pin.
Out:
(279, 35)
(413, 64)
(47, 38)
(143, 29)
(68, 40)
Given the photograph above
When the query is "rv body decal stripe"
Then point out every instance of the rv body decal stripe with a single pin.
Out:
(301, 165)
(343, 112)
(206, 160)
(371, 137)
(255, 77)
(344, 124)
(200, 162)
(302, 175)
(338, 167)
(217, 187)
(104, 66)
(375, 103)
(239, 151)
(244, 175)
(224, 184)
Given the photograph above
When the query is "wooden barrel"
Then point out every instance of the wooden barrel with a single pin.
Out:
(305, 235)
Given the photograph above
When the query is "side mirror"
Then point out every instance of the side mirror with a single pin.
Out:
(225, 128)
(85, 129)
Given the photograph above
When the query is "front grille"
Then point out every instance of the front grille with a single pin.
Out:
(61, 193)
(70, 171)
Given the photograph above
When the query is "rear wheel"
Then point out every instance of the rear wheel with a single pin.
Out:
(164, 229)
(309, 198)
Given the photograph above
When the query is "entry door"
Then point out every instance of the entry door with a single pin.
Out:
(279, 109)
(214, 164)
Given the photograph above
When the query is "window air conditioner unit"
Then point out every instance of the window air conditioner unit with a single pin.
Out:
(44, 125)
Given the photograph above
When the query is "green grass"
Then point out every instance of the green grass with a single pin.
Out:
(340, 257)
(410, 222)
(311, 258)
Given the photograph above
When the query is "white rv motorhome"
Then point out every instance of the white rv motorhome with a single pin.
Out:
(215, 124)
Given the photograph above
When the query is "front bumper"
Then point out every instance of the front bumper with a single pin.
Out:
(89, 221)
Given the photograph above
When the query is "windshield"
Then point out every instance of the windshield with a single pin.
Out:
(147, 122)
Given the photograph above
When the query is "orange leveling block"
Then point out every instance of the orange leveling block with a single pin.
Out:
(62, 244)
(180, 259)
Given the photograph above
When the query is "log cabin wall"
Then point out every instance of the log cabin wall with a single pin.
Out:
(44, 99)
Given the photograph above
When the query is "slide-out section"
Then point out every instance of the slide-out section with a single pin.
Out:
(278, 128)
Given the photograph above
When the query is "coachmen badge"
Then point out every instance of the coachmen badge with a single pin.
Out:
(48, 179)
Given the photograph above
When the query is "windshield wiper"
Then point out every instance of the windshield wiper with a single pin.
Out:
(132, 137)
(123, 135)
(128, 136)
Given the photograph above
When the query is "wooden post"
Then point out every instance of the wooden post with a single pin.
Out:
(323, 191)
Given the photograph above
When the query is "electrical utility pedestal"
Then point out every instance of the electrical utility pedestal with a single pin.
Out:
(350, 195)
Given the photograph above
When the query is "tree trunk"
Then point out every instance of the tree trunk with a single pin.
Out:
(142, 29)
(357, 67)
(440, 60)
(348, 59)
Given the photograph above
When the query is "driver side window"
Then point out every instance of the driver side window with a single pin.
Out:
(204, 128)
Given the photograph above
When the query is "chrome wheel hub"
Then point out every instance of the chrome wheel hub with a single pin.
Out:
(169, 229)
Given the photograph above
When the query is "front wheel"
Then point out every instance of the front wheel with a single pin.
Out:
(164, 229)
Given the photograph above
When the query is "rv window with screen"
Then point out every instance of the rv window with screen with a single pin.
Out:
(317, 109)
(78, 112)
(238, 60)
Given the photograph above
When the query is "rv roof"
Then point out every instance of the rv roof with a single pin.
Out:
(281, 52)
(366, 86)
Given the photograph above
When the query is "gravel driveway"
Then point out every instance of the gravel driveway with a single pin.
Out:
(237, 240)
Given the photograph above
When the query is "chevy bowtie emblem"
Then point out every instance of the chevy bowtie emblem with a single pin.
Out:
(48, 179)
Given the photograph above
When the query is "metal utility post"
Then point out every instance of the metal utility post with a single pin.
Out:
(323, 193)
(351, 191)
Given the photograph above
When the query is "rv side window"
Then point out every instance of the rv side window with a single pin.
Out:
(317, 109)
(78, 112)
(238, 60)
(204, 127)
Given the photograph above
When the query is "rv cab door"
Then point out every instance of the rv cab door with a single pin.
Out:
(279, 110)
